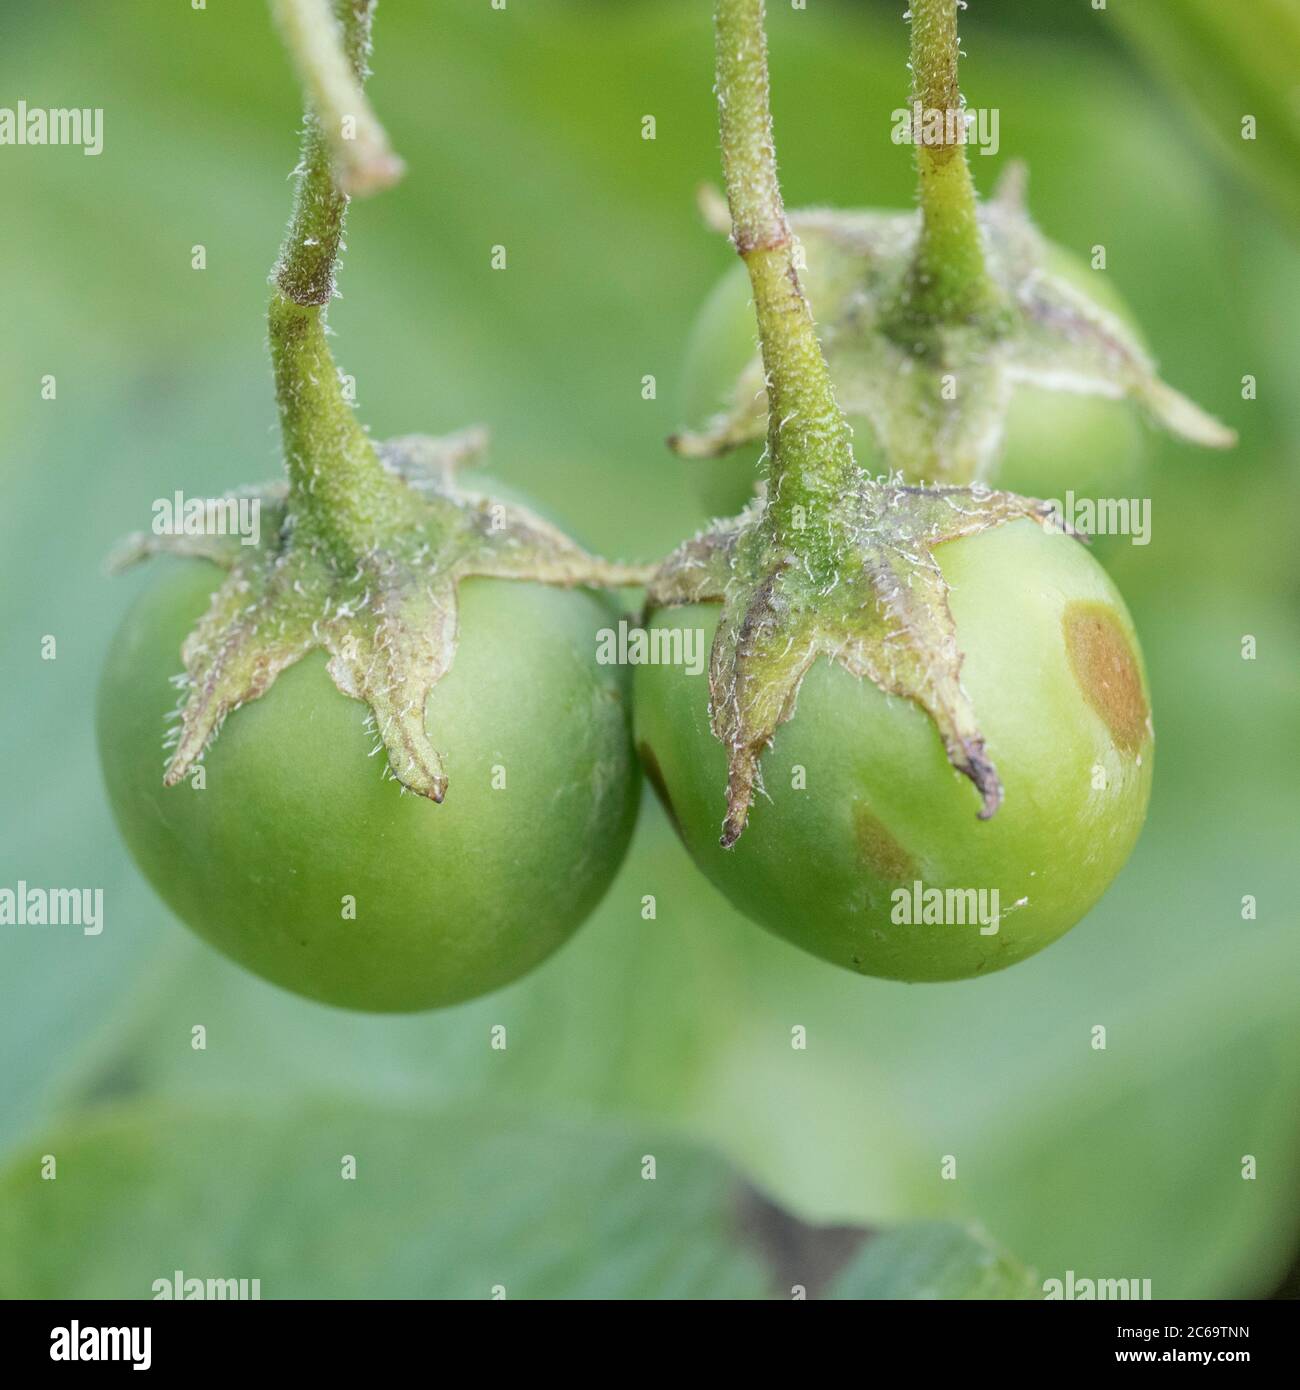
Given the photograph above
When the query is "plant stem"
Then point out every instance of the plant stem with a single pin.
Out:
(949, 279)
(338, 489)
(809, 450)
(331, 73)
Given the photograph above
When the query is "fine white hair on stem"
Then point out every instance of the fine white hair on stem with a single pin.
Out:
(362, 157)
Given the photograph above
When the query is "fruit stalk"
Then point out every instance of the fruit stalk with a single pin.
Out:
(331, 73)
(338, 489)
(809, 451)
(949, 281)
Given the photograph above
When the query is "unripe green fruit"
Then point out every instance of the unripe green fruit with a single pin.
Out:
(1055, 440)
(301, 861)
(862, 805)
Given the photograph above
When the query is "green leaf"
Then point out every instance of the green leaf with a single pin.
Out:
(453, 1205)
(445, 1207)
(934, 1260)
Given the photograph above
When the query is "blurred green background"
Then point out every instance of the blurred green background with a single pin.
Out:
(669, 1037)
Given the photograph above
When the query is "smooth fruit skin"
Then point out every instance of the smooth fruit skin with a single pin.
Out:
(452, 900)
(1054, 670)
(1055, 441)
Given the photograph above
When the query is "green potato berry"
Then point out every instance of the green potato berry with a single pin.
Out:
(863, 815)
(301, 860)
(1055, 441)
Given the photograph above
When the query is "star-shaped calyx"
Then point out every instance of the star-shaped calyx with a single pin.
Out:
(386, 612)
(861, 587)
(361, 552)
(937, 394)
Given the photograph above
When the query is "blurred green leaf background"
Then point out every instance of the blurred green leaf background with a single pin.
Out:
(673, 1036)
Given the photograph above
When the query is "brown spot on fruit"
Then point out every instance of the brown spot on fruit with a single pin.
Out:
(1106, 667)
(884, 857)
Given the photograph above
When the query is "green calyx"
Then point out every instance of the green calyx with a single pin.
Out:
(861, 588)
(387, 617)
(930, 320)
(360, 553)
(826, 562)
(938, 400)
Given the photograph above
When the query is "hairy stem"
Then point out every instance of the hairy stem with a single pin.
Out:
(809, 453)
(949, 279)
(330, 59)
(338, 488)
